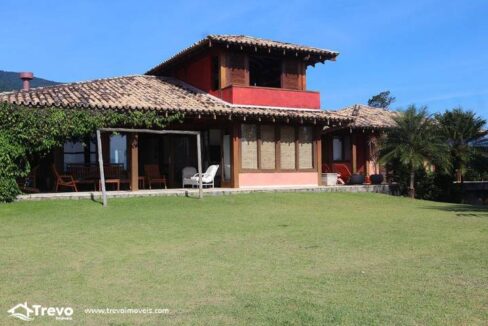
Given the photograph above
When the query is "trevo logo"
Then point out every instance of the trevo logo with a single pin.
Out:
(24, 312)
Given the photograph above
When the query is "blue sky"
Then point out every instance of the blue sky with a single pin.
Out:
(432, 53)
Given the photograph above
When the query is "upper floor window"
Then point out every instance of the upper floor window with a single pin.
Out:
(265, 71)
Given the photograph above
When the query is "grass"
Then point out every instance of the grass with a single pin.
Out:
(254, 259)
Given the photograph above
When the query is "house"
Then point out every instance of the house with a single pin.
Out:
(247, 96)
(21, 311)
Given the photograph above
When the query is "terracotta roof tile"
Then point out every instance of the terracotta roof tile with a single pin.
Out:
(249, 41)
(369, 117)
(144, 92)
(261, 42)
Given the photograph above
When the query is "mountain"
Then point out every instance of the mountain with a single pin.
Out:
(10, 81)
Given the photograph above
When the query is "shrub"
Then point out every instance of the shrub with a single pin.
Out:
(27, 132)
(8, 189)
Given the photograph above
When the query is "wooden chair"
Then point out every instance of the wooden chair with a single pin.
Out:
(83, 174)
(343, 172)
(113, 175)
(65, 180)
(152, 174)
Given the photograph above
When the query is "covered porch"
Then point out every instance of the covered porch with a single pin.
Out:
(353, 151)
(135, 161)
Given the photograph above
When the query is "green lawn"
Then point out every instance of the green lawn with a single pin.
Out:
(297, 258)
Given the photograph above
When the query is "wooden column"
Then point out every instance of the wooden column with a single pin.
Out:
(354, 155)
(199, 158)
(367, 160)
(318, 153)
(134, 161)
(224, 80)
(235, 155)
(100, 167)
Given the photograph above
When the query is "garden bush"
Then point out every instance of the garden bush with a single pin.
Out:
(27, 132)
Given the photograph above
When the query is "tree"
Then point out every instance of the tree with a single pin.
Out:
(415, 143)
(381, 100)
(460, 129)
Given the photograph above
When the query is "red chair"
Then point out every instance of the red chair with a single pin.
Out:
(343, 172)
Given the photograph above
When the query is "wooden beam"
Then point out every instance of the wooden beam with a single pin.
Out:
(151, 131)
(297, 150)
(367, 158)
(318, 153)
(235, 155)
(134, 162)
(134, 153)
(277, 147)
(100, 166)
(199, 158)
(247, 78)
(224, 71)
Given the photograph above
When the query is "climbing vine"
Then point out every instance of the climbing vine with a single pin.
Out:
(27, 132)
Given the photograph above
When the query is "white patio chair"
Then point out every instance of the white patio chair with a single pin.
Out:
(208, 178)
(186, 174)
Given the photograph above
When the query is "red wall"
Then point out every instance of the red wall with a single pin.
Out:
(361, 149)
(197, 72)
(249, 95)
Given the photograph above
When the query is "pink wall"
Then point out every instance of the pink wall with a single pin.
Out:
(249, 95)
(278, 179)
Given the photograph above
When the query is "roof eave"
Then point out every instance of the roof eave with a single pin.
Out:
(311, 56)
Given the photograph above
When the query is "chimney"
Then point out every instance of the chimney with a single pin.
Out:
(26, 78)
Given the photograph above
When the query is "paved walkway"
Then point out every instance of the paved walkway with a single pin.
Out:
(206, 192)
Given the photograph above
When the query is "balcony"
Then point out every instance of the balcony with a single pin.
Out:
(264, 96)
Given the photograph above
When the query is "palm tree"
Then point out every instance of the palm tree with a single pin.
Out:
(415, 143)
(461, 129)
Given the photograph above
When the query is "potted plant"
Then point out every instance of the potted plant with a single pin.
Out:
(375, 178)
(356, 179)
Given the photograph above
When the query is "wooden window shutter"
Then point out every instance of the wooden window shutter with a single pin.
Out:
(291, 74)
(237, 69)
(249, 146)
(287, 148)
(305, 147)
(268, 147)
